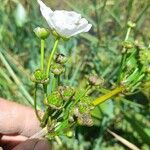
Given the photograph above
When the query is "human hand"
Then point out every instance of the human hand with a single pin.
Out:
(17, 124)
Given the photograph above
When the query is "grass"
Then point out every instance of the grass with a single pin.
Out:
(95, 52)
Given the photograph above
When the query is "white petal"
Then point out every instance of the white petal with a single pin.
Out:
(85, 29)
(65, 19)
(46, 12)
(65, 23)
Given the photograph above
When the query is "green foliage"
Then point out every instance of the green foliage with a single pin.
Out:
(98, 52)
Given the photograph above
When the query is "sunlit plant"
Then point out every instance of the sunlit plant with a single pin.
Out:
(65, 106)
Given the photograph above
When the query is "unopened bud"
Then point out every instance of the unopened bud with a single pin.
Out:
(69, 134)
(131, 24)
(41, 33)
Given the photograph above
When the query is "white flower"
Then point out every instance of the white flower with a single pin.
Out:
(65, 23)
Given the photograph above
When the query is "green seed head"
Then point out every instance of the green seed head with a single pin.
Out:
(68, 93)
(39, 77)
(57, 69)
(54, 100)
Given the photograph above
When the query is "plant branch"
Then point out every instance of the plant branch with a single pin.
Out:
(108, 95)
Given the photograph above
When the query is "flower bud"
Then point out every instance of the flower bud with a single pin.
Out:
(95, 81)
(39, 77)
(41, 33)
(57, 69)
(131, 24)
(76, 112)
(71, 119)
(60, 58)
(69, 134)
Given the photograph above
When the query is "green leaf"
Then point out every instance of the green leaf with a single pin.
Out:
(138, 128)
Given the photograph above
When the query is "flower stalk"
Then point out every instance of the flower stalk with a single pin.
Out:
(51, 57)
(108, 95)
(35, 103)
(130, 26)
(42, 53)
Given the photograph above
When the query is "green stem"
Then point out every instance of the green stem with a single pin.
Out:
(45, 117)
(42, 53)
(45, 91)
(108, 95)
(83, 94)
(58, 140)
(124, 55)
(128, 33)
(54, 83)
(73, 103)
(51, 57)
(35, 103)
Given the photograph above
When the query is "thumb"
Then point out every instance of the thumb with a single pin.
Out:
(33, 144)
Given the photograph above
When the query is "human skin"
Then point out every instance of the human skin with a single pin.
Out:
(17, 124)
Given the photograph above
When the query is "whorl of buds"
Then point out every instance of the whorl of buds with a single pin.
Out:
(39, 77)
(95, 80)
(41, 33)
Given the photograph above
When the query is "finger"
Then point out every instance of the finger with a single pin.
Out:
(17, 119)
(33, 144)
(10, 141)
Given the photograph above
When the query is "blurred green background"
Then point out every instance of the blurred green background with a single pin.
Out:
(95, 52)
